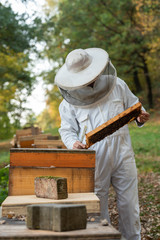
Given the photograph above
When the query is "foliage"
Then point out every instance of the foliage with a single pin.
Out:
(116, 26)
(53, 131)
(4, 158)
(50, 117)
(16, 80)
(4, 173)
(30, 120)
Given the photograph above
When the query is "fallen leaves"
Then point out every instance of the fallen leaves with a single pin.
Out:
(149, 201)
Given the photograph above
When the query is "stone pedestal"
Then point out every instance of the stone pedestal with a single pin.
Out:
(57, 217)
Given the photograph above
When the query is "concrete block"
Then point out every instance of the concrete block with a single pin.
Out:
(51, 187)
(56, 217)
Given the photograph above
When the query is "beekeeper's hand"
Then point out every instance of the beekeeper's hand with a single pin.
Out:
(78, 145)
(143, 117)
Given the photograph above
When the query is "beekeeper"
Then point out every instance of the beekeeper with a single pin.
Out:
(93, 94)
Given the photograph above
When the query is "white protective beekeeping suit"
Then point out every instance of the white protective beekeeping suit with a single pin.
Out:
(83, 109)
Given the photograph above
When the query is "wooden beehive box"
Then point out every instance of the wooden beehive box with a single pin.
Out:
(29, 141)
(28, 131)
(38, 143)
(25, 132)
(75, 165)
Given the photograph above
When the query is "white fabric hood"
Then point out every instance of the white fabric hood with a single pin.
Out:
(87, 95)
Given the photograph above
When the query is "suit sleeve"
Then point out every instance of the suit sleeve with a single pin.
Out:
(69, 126)
(129, 100)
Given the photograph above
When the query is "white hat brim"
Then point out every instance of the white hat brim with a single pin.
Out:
(70, 81)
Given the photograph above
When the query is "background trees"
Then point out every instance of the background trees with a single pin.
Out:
(128, 30)
(16, 79)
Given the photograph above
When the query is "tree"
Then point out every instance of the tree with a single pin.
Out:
(148, 23)
(16, 80)
(112, 25)
(50, 118)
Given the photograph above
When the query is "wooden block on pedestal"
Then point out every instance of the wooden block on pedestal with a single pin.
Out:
(51, 187)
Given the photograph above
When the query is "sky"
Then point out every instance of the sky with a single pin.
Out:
(36, 101)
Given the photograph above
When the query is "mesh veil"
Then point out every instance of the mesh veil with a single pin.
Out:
(89, 95)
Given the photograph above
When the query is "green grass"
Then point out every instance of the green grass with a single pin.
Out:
(145, 164)
(4, 158)
(146, 146)
(4, 176)
(53, 131)
(146, 140)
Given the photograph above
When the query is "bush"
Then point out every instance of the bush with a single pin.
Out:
(4, 177)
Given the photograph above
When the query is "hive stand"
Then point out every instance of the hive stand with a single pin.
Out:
(18, 230)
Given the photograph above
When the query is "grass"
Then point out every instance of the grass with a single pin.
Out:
(4, 175)
(146, 146)
(145, 140)
(53, 131)
(4, 158)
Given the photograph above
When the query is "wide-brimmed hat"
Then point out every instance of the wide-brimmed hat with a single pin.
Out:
(81, 68)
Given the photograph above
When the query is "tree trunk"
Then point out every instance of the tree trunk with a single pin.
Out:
(137, 82)
(148, 81)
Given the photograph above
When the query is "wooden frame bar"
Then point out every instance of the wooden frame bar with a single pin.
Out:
(113, 124)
